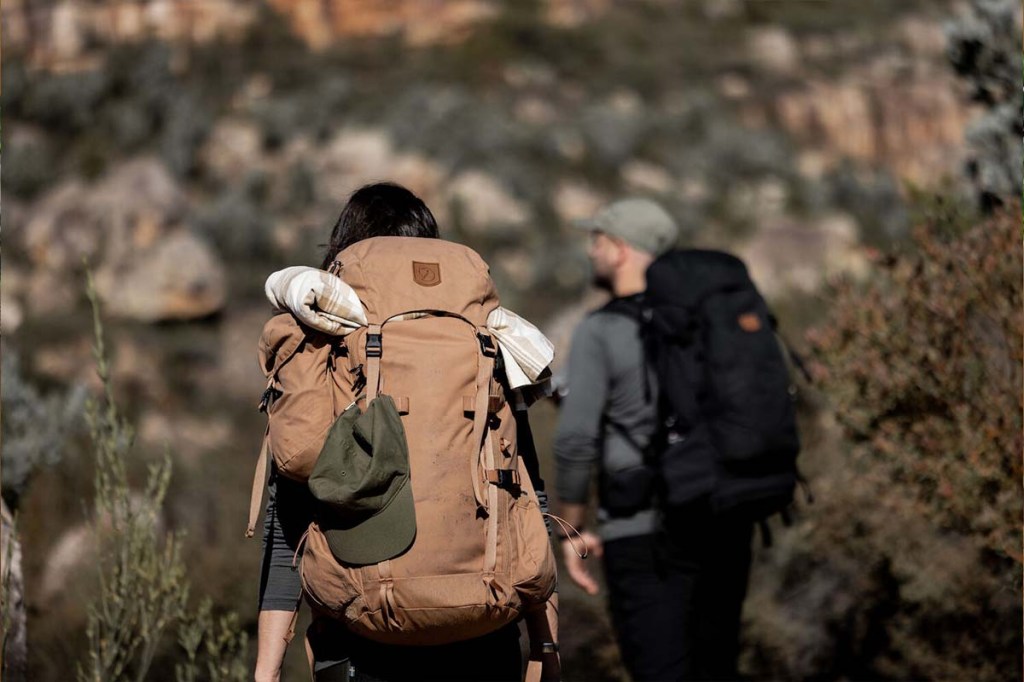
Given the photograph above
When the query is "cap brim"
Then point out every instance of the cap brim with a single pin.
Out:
(384, 535)
(586, 224)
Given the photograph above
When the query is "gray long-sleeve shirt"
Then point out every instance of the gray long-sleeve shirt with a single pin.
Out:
(606, 386)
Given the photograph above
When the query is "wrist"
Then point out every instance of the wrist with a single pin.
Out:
(545, 648)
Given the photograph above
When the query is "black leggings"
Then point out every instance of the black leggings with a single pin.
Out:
(676, 597)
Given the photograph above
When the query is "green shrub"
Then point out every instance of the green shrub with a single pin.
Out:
(37, 428)
(142, 589)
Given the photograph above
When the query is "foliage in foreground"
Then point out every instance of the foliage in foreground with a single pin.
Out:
(143, 588)
(924, 367)
(909, 565)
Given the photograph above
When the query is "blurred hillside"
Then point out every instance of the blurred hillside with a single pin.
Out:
(187, 149)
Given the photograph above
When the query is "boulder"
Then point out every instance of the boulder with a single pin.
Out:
(12, 312)
(485, 204)
(179, 278)
(574, 13)
(774, 49)
(642, 176)
(786, 256)
(233, 149)
(574, 199)
(129, 225)
(357, 156)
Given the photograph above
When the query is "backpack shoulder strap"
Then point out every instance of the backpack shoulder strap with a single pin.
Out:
(628, 306)
(633, 308)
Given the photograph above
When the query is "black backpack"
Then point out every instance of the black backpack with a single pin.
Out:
(726, 394)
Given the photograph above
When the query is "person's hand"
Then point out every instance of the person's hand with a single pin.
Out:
(575, 565)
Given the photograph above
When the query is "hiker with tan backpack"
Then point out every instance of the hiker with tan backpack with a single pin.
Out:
(404, 498)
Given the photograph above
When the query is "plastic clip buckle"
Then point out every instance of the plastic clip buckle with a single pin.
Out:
(374, 347)
(269, 396)
(487, 346)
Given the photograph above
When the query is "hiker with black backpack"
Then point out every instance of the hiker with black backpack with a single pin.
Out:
(405, 500)
(679, 395)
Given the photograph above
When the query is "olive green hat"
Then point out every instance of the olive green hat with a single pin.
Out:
(361, 483)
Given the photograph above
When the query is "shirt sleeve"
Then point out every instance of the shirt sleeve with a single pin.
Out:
(578, 438)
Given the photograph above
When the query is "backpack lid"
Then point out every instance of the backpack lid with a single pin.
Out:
(396, 275)
(686, 276)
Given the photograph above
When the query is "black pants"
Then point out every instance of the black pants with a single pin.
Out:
(340, 656)
(676, 596)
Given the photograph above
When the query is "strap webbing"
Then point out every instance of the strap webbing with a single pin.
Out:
(290, 635)
(259, 484)
(483, 389)
(387, 594)
(372, 365)
(491, 552)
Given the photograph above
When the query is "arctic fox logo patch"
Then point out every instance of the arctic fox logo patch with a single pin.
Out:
(749, 322)
(426, 274)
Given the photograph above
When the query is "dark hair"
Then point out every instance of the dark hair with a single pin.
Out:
(383, 209)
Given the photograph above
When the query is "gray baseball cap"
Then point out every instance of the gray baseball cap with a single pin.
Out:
(642, 223)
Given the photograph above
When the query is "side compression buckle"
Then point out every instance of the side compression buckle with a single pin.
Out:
(503, 478)
(374, 347)
(487, 346)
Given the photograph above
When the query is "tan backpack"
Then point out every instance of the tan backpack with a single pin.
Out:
(481, 555)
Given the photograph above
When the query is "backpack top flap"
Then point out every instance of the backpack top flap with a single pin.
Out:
(686, 277)
(282, 335)
(396, 275)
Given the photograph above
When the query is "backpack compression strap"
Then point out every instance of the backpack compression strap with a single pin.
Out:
(485, 370)
(259, 483)
(374, 349)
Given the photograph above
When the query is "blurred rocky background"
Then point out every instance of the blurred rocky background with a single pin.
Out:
(186, 149)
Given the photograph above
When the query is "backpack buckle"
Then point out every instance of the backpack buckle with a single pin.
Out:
(487, 346)
(268, 397)
(503, 478)
(374, 347)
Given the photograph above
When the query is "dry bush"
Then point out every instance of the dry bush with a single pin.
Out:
(924, 368)
(909, 565)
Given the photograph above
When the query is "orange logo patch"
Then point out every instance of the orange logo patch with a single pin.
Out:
(749, 322)
(426, 274)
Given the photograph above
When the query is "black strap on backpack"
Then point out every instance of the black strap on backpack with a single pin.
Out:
(633, 308)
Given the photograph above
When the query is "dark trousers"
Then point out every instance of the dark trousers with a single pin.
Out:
(340, 656)
(676, 596)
